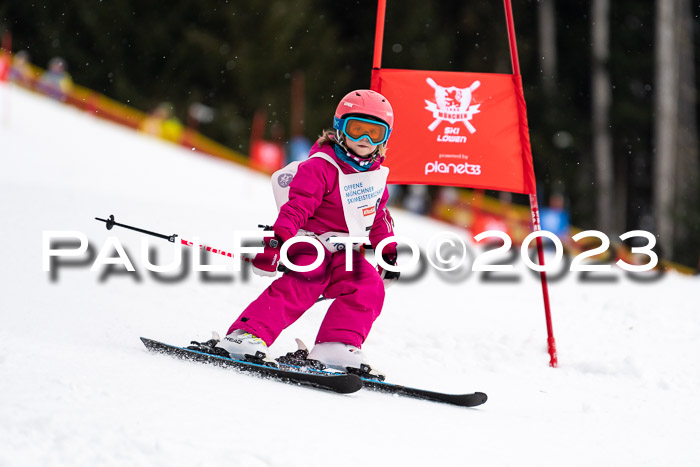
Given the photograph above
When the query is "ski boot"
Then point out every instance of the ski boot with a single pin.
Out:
(242, 345)
(209, 346)
(345, 357)
(300, 359)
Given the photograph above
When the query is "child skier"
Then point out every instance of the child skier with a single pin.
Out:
(339, 191)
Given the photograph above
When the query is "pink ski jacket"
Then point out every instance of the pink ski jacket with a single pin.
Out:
(315, 203)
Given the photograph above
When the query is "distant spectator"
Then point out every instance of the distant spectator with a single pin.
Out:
(555, 218)
(162, 123)
(298, 149)
(56, 82)
(417, 199)
(21, 71)
(448, 195)
(395, 193)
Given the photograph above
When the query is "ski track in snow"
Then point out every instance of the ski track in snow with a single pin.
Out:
(78, 388)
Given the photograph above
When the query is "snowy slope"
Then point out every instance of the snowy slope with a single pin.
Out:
(78, 388)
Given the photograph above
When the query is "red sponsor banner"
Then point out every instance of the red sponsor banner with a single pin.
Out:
(457, 129)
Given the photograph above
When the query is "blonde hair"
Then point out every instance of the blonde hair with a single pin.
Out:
(328, 137)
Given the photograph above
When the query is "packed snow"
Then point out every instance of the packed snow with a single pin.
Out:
(78, 387)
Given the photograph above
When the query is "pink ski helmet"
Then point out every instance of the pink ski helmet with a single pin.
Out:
(365, 102)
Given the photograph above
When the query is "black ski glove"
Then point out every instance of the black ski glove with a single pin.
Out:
(388, 277)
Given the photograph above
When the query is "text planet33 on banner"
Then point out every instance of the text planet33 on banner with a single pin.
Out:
(457, 129)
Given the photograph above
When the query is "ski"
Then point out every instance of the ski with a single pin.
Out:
(463, 400)
(343, 383)
(340, 382)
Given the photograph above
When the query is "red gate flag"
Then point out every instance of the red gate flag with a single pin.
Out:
(457, 129)
(462, 129)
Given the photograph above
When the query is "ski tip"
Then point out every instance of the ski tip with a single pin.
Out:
(149, 343)
(481, 397)
(353, 383)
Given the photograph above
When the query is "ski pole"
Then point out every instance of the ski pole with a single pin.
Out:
(110, 223)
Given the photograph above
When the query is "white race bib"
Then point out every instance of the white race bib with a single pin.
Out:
(360, 192)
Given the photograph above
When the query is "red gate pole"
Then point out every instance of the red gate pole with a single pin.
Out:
(379, 35)
(534, 209)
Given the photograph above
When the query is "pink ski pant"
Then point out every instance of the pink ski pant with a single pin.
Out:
(358, 294)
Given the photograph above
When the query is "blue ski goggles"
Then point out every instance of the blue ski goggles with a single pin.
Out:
(358, 128)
